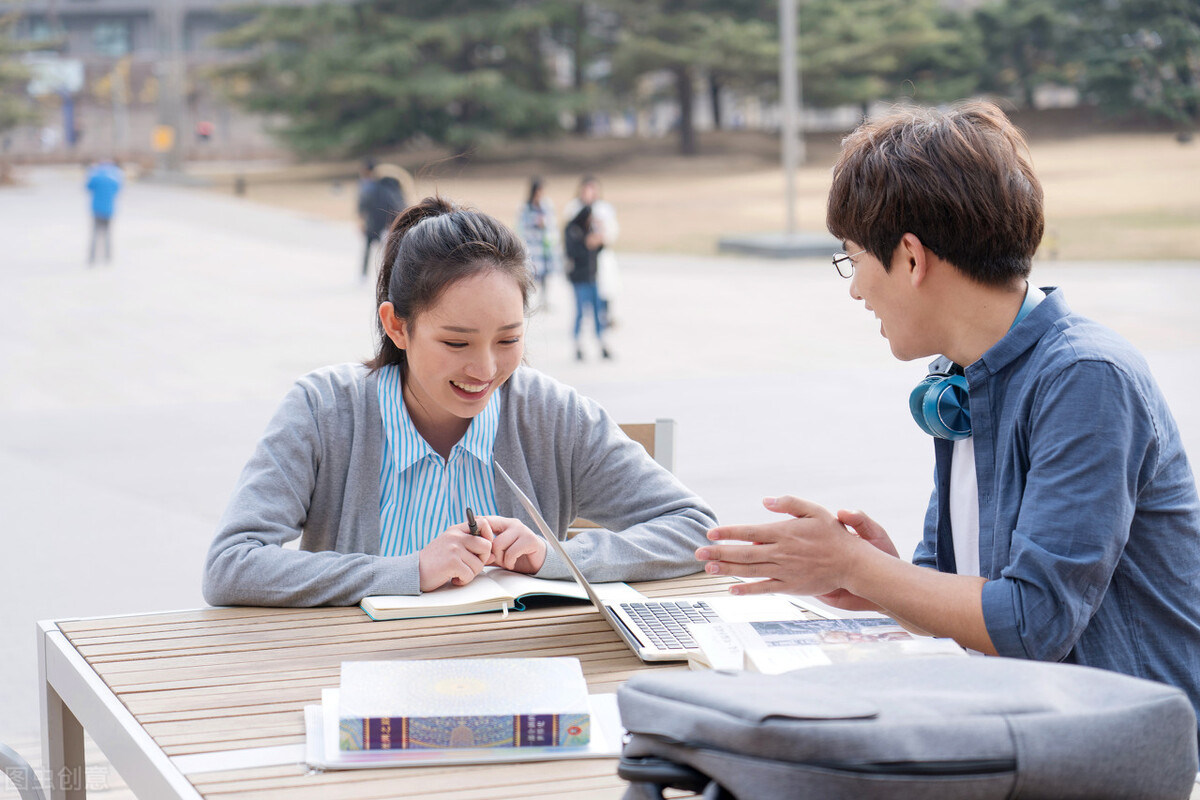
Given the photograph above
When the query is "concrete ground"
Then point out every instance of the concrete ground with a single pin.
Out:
(131, 393)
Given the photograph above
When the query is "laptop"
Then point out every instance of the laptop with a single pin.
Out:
(656, 629)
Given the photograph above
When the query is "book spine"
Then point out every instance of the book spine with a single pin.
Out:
(434, 733)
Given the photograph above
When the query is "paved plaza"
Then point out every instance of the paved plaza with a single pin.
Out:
(131, 393)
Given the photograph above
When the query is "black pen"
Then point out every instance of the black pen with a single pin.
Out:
(472, 526)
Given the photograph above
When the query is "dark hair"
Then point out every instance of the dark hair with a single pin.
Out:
(583, 218)
(958, 179)
(432, 245)
(535, 185)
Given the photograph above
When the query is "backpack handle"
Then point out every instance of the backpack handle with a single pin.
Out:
(648, 776)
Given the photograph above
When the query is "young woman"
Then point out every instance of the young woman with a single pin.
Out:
(535, 222)
(583, 245)
(372, 466)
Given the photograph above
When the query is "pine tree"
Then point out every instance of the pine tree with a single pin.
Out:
(347, 79)
(1142, 56)
(879, 50)
(690, 39)
(16, 108)
(1025, 44)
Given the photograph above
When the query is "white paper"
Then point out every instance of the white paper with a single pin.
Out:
(827, 611)
(719, 647)
(752, 607)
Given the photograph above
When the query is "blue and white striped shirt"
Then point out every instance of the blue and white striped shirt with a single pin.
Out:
(421, 494)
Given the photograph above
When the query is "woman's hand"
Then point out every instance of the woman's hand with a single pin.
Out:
(515, 547)
(455, 556)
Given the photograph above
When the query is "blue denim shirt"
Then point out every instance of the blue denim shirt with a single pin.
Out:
(1089, 520)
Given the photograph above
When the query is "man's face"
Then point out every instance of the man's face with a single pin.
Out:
(588, 193)
(889, 294)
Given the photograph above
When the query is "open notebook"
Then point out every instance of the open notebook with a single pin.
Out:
(494, 589)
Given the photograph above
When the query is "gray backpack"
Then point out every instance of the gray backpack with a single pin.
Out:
(910, 728)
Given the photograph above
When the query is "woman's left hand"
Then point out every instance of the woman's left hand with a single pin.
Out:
(515, 547)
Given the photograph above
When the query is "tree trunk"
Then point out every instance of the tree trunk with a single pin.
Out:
(537, 67)
(714, 95)
(581, 116)
(687, 128)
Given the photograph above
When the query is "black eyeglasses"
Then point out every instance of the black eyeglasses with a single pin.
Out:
(843, 264)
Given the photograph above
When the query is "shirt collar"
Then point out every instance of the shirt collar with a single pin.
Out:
(1022, 337)
(406, 443)
(480, 438)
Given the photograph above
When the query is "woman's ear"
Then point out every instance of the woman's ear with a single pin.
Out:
(395, 327)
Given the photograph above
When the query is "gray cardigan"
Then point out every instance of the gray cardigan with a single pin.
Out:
(315, 476)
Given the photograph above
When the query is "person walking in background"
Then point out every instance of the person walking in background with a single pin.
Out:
(104, 181)
(366, 178)
(366, 186)
(380, 202)
(584, 246)
(604, 224)
(535, 222)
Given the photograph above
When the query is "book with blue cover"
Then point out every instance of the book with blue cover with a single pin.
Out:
(463, 703)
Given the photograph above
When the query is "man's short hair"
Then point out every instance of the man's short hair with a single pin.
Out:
(958, 179)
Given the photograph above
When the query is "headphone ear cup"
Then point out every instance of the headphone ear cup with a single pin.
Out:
(940, 405)
(916, 401)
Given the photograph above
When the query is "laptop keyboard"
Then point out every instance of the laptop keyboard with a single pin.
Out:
(663, 622)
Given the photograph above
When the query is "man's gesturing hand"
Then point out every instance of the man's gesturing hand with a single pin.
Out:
(810, 553)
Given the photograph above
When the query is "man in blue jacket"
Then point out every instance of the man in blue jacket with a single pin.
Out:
(1064, 523)
(104, 181)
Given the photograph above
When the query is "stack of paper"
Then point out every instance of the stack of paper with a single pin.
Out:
(418, 713)
(784, 645)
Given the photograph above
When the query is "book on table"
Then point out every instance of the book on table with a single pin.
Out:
(321, 749)
(494, 589)
(463, 703)
(782, 645)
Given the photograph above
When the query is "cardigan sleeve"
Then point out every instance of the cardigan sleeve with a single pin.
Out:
(652, 522)
(247, 563)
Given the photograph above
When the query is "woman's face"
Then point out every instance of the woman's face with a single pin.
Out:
(461, 349)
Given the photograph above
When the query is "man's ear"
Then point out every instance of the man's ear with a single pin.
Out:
(912, 256)
(395, 327)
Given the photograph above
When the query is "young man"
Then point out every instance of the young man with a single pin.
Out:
(1064, 524)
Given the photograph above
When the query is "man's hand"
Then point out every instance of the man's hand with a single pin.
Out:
(455, 556)
(515, 546)
(810, 553)
(842, 558)
(869, 531)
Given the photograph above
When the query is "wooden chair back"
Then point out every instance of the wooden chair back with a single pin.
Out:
(658, 438)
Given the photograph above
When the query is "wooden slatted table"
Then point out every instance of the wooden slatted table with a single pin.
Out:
(210, 703)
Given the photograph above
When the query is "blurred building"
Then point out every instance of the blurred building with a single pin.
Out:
(130, 78)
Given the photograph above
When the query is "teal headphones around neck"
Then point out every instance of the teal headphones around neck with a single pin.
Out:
(940, 404)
